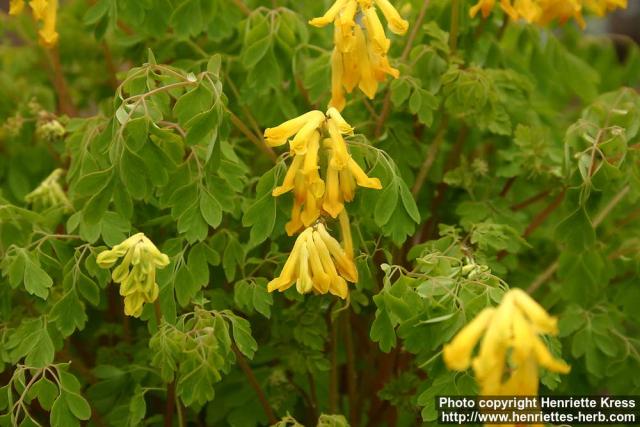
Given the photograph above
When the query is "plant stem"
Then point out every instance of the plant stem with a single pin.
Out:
(65, 104)
(258, 142)
(544, 214)
(352, 377)
(432, 151)
(253, 381)
(333, 373)
(171, 403)
(455, 25)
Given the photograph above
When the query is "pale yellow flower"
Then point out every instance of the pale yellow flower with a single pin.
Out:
(316, 263)
(136, 273)
(50, 193)
(511, 346)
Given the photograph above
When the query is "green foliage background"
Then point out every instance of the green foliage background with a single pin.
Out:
(509, 156)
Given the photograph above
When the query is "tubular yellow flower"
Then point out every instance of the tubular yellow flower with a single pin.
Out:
(331, 14)
(511, 345)
(457, 354)
(375, 31)
(16, 7)
(542, 12)
(39, 8)
(48, 34)
(337, 81)
(280, 134)
(342, 174)
(601, 7)
(359, 57)
(316, 263)
(484, 6)
(394, 20)
(136, 274)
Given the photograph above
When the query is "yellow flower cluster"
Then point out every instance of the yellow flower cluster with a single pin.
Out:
(50, 193)
(136, 274)
(360, 54)
(318, 137)
(542, 12)
(43, 11)
(511, 350)
(317, 263)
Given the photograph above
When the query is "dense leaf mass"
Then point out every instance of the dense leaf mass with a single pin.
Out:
(496, 149)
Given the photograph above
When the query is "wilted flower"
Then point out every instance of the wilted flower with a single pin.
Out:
(50, 194)
(360, 54)
(43, 11)
(511, 346)
(136, 274)
(313, 194)
(317, 263)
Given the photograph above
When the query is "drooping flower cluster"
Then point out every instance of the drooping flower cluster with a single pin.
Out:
(542, 12)
(49, 194)
(318, 137)
(136, 274)
(43, 11)
(360, 54)
(511, 350)
(317, 263)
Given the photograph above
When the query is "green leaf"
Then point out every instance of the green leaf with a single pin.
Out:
(576, 231)
(382, 330)
(210, 208)
(36, 280)
(42, 350)
(77, 404)
(261, 215)
(241, 329)
(46, 392)
(61, 415)
(69, 313)
(253, 295)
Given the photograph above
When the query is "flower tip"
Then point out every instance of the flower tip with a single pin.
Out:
(319, 22)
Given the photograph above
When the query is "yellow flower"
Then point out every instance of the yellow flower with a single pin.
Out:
(317, 263)
(542, 12)
(48, 33)
(43, 11)
(136, 274)
(394, 20)
(483, 6)
(601, 7)
(280, 134)
(360, 54)
(16, 7)
(511, 345)
(311, 192)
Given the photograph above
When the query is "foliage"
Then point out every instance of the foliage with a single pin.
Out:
(508, 155)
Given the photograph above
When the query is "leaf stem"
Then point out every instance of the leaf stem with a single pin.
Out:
(258, 142)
